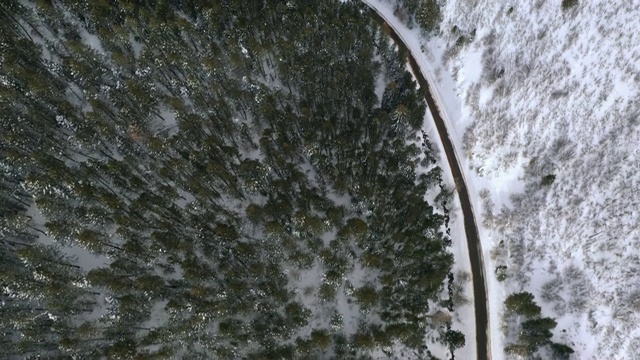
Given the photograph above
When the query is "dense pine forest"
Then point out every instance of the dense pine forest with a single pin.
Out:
(214, 180)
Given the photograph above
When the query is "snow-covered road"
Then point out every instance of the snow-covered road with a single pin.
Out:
(442, 116)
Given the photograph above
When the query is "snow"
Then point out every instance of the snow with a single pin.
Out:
(380, 86)
(136, 46)
(545, 91)
(464, 316)
(470, 74)
(185, 198)
(84, 258)
(158, 316)
(168, 123)
(91, 40)
(450, 110)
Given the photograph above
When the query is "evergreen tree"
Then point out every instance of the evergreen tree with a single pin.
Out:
(522, 303)
(205, 154)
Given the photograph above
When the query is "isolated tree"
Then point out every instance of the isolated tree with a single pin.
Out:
(561, 351)
(522, 303)
(548, 180)
(536, 332)
(567, 4)
(454, 339)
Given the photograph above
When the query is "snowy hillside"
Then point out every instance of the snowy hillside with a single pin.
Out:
(548, 90)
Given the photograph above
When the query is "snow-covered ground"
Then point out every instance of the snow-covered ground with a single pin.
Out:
(445, 97)
(464, 317)
(535, 90)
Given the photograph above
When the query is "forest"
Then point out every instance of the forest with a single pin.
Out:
(214, 180)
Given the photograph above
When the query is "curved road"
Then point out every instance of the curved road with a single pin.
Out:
(470, 227)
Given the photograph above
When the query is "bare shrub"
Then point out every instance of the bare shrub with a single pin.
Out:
(498, 252)
(492, 70)
(563, 148)
(463, 276)
(620, 313)
(538, 166)
(502, 87)
(440, 318)
(487, 204)
(516, 199)
(469, 140)
(559, 144)
(550, 290)
(579, 289)
(555, 95)
(633, 300)
(489, 39)
(458, 296)
(510, 159)
(634, 346)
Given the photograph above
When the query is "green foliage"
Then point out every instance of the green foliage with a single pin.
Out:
(202, 151)
(518, 349)
(426, 13)
(548, 180)
(561, 351)
(254, 213)
(454, 339)
(567, 4)
(522, 303)
(535, 331)
(320, 339)
(327, 292)
(501, 273)
(297, 313)
(354, 228)
(366, 296)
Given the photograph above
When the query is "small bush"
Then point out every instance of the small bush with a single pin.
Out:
(561, 351)
(501, 273)
(566, 4)
(440, 318)
(548, 180)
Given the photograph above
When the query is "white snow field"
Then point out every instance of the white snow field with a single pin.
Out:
(533, 90)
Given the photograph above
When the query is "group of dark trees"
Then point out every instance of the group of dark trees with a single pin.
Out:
(424, 13)
(201, 150)
(535, 331)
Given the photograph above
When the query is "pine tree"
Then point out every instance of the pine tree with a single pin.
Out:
(523, 304)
